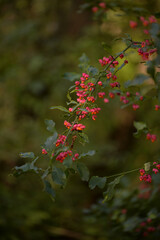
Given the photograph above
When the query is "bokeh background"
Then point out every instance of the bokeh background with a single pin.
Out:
(40, 40)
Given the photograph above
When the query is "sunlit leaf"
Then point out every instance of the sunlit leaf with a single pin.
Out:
(139, 125)
(147, 166)
(27, 155)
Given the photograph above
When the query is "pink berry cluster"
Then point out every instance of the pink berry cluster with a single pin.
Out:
(146, 228)
(105, 61)
(147, 177)
(44, 152)
(61, 157)
(101, 5)
(145, 22)
(126, 97)
(77, 127)
(88, 89)
(151, 137)
(84, 89)
(61, 139)
(93, 112)
(145, 191)
(157, 107)
(146, 49)
(109, 61)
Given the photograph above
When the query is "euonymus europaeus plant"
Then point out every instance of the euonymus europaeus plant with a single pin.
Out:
(87, 86)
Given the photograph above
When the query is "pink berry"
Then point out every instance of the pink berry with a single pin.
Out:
(44, 151)
(102, 4)
(133, 24)
(100, 83)
(106, 100)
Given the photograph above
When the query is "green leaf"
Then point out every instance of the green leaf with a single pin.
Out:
(97, 181)
(68, 162)
(151, 69)
(60, 108)
(154, 29)
(48, 188)
(89, 153)
(112, 71)
(83, 138)
(49, 143)
(83, 171)
(131, 223)
(50, 125)
(150, 90)
(71, 76)
(93, 71)
(157, 15)
(85, 5)
(27, 155)
(69, 97)
(62, 149)
(83, 109)
(69, 171)
(128, 36)
(117, 39)
(106, 47)
(45, 174)
(108, 195)
(126, 105)
(84, 58)
(71, 102)
(122, 65)
(58, 176)
(26, 168)
(137, 81)
(157, 80)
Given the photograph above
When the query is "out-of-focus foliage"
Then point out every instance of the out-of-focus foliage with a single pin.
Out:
(133, 214)
(40, 41)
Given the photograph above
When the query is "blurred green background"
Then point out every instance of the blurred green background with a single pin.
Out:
(40, 40)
